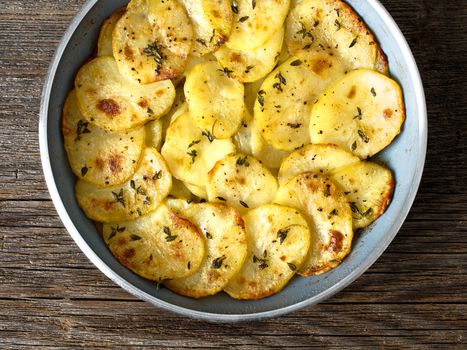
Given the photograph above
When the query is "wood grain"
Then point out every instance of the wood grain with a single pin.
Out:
(414, 297)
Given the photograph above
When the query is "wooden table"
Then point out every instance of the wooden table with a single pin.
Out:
(414, 297)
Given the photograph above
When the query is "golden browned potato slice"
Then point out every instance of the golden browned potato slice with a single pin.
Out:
(251, 65)
(104, 43)
(98, 156)
(241, 181)
(368, 188)
(212, 23)
(332, 26)
(329, 216)
(362, 113)
(278, 242)
(215, 99)
(283, 105)
(138, 196)
(226, 249)
(256, 22)
(191, 152)
(159, 246)
(323, 159)
(114, 103)
(152, 40)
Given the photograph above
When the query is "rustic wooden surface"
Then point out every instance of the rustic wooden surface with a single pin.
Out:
(51, 296)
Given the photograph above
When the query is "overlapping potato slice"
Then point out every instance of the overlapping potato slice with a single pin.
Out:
(212, 23)
(241, 181)
(152, 40)
(215, 100)
(180, 191)
(332, 26)
(104, 43)
(362, 113)
(329, 216)
(266, 153)
(251, 65)
(278, 242)
(368, 187)
(98, 156)
(321, 159)
(198, 191)
(256, 22)
(226, 250)
(140, 195)
(284, 103)
(159, 246)
(191, 152)
(154, 134)
(243, 138)
(115, 103)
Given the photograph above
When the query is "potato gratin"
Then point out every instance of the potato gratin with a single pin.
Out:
(224, 144)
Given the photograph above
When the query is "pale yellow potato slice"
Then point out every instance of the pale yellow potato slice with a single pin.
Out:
(104, 43)
(368, 188)
(251, 94)
(212, 23)
(154, 133)
(329, 217)
(215, 99)
(256, 22)
(270, 156)
(152, 40)
(241, 181)
(140, 195)
(332, 26)
(198, 191)
(243, 138)
(362, 113)
(278, 242)
(283, 105)
(180, 191)
(191, 152)
(114, 103)
(252, 65)
(98, 156)
(226, 250)
(159, 246)
(321, 158)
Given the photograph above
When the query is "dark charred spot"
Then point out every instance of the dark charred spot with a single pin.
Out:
(336, 241)
(109, 107)
(387, 114)
(143, 103)
(352, 92)
(115, 162)
(99, 163)
(129, 253)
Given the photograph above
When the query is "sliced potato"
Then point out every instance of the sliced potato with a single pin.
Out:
(332, 26)
(278, 242)
(191, 152)
(212, 23)
(215, 100)
(104, 43)
(226, 250)
(154, 133)
(243, 138)
(251, 65)
(114, 103)
(159, 246)
(138, 196)
(264, 152)
(362, 113)
(256, 22)
(98, 156)
(321, 159)
(284, 103)
(180, 191)
(241, 181)
(329, 217)
(152, 40)
(198, 191)
(178, 206)
(368, 188)
(251, 94)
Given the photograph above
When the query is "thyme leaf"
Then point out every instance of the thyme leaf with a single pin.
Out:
(217, 263)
